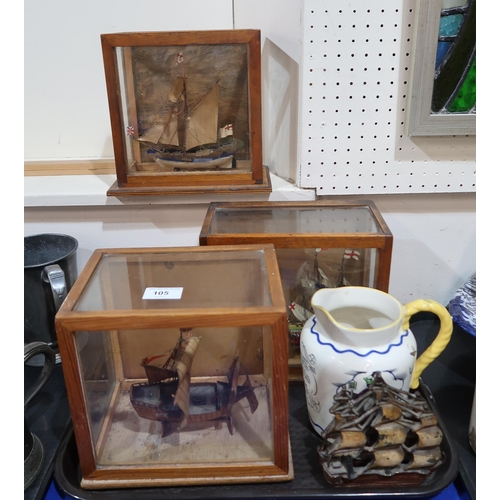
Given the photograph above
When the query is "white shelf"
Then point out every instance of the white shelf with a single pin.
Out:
(90, 190)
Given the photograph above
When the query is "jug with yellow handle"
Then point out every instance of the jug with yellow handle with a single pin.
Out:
(356, 331)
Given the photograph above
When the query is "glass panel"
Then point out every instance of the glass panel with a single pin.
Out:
(177, 280)
(131, 146)
(198, 395)
(303, 271)
(442, 50)
(448, 4)
(185, 108)
(449, 25)
(466, 97)
(282, 220)
(456, 47)
(99, 378)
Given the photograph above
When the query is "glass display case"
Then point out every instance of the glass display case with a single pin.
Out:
(318, 244)
(185, 111)
(175, 365)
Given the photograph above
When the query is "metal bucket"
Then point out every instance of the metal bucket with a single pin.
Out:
(50, 270)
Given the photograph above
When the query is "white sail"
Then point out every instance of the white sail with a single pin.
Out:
(178, 88)
(325, 281)
(301, 313)
(170, 135)
(163, 132)
(202, 122)
(183, 367)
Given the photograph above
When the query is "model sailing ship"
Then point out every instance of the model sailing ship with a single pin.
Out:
(188, 135)
(308, 282)
(172, 398)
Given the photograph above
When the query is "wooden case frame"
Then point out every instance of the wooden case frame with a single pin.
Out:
(254, 177)
(68, 321)
(382, 242)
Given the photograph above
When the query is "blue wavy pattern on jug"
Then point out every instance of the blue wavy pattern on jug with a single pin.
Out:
(373, 351)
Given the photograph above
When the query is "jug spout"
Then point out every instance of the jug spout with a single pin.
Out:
(357, 316)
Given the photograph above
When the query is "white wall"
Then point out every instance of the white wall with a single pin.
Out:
(66, 104)
(434, 248)
(66, 117)
(434, 236)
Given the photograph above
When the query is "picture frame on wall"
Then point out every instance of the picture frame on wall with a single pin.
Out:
(442, 81)
(185, 111)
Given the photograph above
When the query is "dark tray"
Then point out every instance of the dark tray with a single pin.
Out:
(308, 482)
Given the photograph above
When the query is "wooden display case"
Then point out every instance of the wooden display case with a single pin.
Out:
(175, 373)
(185, 110)
(318, 244)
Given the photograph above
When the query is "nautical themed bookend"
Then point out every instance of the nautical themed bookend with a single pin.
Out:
(174, 375)
(382, 431)
(319, 244)
(185, 111)
(356, 331)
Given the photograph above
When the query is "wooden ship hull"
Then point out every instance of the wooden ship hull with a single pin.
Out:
(169, 395)
(224, 161)
(208, 402)
(209, 157)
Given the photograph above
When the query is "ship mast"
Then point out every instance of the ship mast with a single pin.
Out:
(180, 60)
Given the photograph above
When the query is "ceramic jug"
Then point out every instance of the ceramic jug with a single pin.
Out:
(356, 331)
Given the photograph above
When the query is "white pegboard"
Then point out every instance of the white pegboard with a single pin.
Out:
(355, 74)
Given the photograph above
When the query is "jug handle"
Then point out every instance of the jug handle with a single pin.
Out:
(441, 340)
(31, 350)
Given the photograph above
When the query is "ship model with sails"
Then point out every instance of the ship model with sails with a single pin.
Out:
(188, 135)
(309, 280)
(171, 397)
